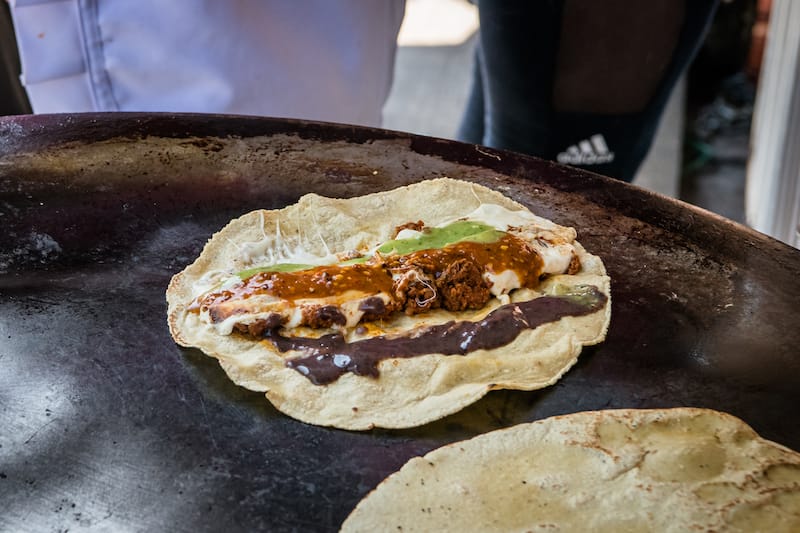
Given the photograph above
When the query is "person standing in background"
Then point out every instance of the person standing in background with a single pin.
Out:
(581, 82)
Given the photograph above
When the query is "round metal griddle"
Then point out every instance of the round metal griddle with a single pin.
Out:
(106, 424)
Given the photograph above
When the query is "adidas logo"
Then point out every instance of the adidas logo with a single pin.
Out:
(593, 151)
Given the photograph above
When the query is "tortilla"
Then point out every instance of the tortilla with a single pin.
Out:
(680, 469)
(407, 391)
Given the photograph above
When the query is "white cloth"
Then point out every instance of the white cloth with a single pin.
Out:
(329, 60)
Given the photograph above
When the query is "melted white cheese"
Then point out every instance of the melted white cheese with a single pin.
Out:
(276, 248)
(407, 233)
(555, 256)
(502, 283)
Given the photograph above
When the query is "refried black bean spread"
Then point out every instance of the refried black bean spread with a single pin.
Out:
(329, 357)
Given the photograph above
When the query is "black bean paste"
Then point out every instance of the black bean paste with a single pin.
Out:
(329, 356)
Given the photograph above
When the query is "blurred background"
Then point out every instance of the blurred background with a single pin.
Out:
(700, 154)
(707, 151)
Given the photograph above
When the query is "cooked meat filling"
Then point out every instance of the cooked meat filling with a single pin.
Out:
(414, 291)
(461, 286)
(457, 277)
(322, 316)
(259, 327)
(416, 226)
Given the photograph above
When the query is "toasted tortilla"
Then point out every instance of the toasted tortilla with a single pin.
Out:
(677, 469)
(408, 391)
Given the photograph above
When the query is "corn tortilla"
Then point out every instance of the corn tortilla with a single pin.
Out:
(408, 392)
(682, 469)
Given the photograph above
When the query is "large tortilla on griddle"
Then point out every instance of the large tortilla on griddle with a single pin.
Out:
(409, 392)
(667, 470)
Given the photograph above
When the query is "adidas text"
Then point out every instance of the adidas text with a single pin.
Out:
(593, 151)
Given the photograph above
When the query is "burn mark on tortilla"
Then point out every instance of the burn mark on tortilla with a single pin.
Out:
(329, 357)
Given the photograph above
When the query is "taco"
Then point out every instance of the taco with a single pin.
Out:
(391, 309)
(680, 469)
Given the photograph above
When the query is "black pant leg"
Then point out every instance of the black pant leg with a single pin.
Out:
(539, 91)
